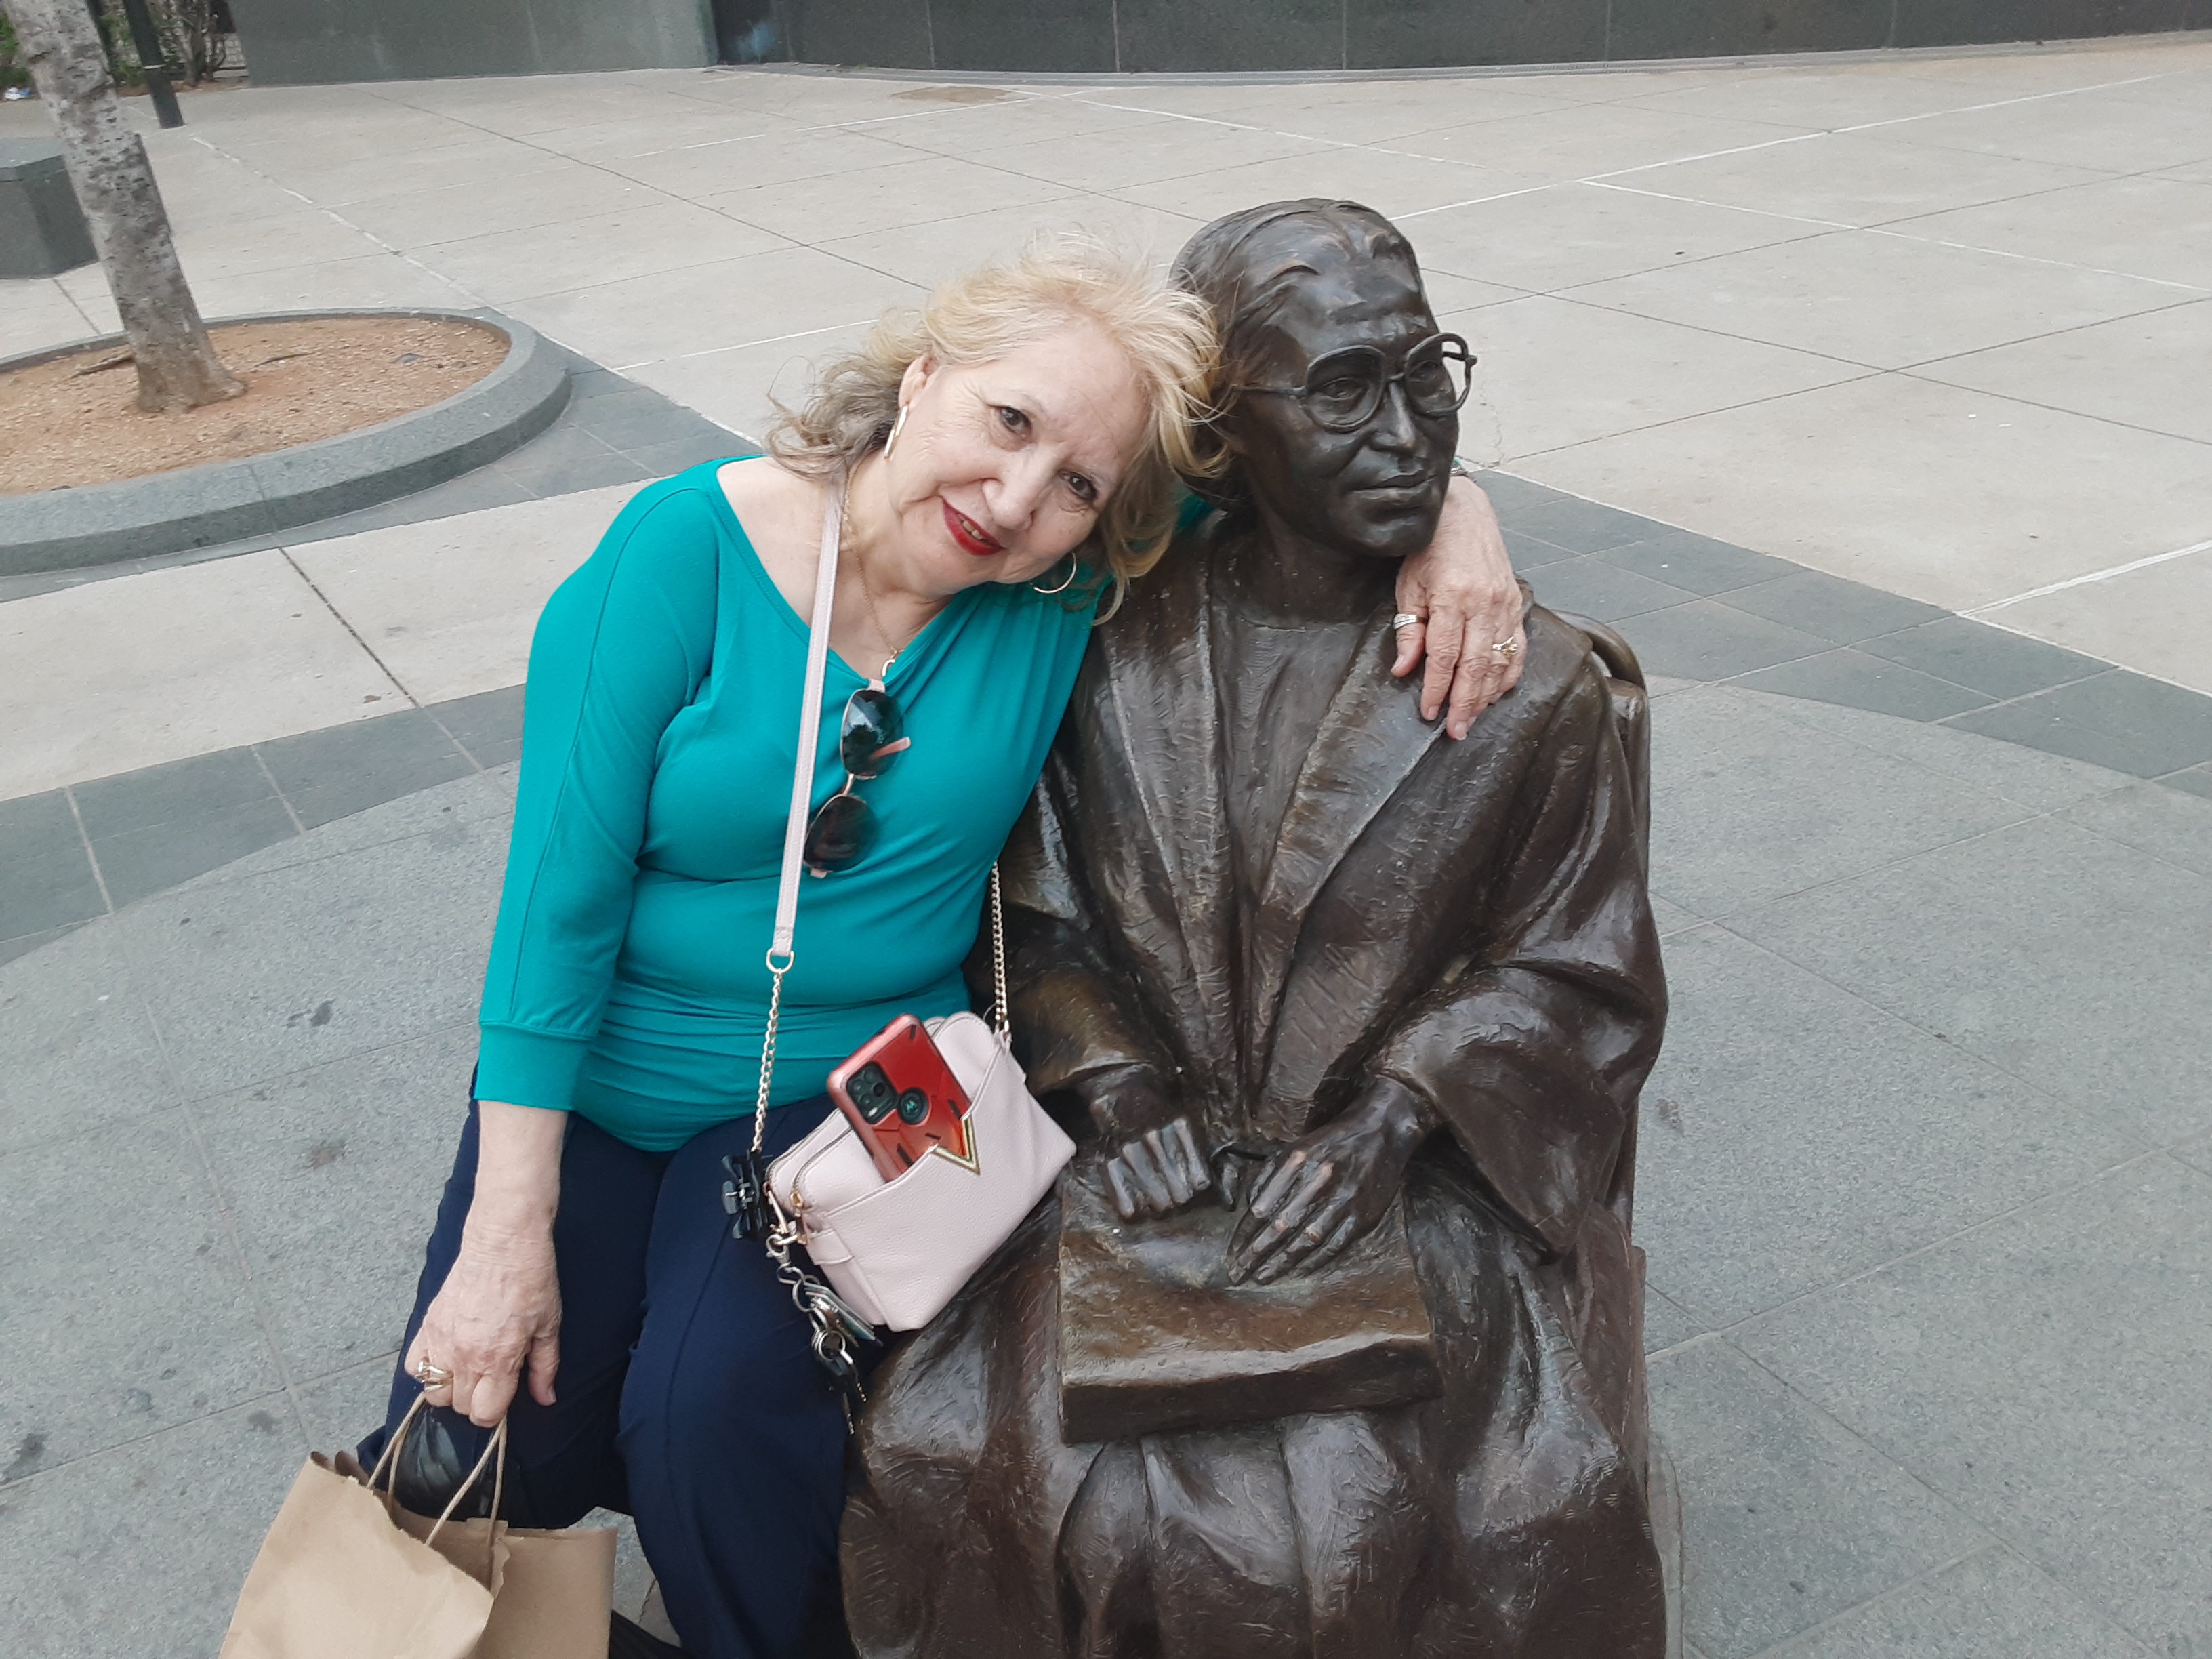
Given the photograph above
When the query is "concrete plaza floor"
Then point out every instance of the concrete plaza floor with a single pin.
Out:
(1927, 1167)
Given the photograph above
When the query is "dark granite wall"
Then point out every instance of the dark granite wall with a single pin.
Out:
(305, 42)
(1139, 36)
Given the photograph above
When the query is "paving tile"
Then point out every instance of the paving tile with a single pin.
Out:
(1666, 1324)
(125, 1307)
(488, 724)
(179, 792)
(421, 218)
(75, 1049)
(484, 159)
(1529, 553)
(1850, 179)
(2142, 370)
(332, 1175)
(144, 861)
(2145, 226)
(914, 191)
(1881, 300)
(635, 420)
(1820, 1137)
(343, 1406)
(1993, 1605)
(929, 253)
(1945, 495)
(138, 1552)
(1558, 145)
(731, 302)
(1554, 372)
(373, 281)
(2069, 960)
(657, 234)
(46, 880)
(1745, 809)
(738, 388)
(1176, 149)
(328, 775)
(1706, 640)
(450, 607)
(1834, 608)
(1788, 1519)
(444, 813)
(1569, 521)
(1572, 233)
(2167, 823)
(2197, 780)
(297, 234)
(566, 460)
(1672, 918)
(710, 443)
(254, 976)
(2118, 719)
(23, 944)
(1697, 562)
(1590, 587)
(1859, 681)
(114, 675)
(2152, 619)
(1988, 660)
(1350, 112)
(1512, 494)
(2096, 130)
(756, 159)
(2030, 1371)
(1408, 184)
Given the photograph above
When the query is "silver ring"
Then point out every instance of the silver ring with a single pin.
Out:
(432, 1376)
(1506, 648)
(1405, 619)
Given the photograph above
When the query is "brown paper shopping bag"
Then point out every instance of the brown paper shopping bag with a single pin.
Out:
(336, 1579)
(555, 1588)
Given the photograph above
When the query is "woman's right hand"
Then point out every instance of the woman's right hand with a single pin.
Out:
(499, 1310)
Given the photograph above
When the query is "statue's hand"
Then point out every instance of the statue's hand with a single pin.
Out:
(1154, 1166)
(1324, 1192)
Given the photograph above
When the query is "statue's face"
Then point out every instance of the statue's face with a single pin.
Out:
(1376, 488)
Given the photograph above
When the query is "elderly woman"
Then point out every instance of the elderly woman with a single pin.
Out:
(1007, 455)
(1390, 1001)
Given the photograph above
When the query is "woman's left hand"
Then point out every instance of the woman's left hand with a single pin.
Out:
(1462, 585)
(1324, 1192)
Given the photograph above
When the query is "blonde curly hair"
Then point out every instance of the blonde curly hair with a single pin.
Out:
(1167, 335)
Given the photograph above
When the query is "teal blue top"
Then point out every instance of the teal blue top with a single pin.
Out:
(627, 979)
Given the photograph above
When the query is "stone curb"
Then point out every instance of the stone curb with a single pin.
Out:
(262, 495)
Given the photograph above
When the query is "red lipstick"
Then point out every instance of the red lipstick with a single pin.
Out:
(968, 535)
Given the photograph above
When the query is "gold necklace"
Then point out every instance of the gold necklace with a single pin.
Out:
(868, 598)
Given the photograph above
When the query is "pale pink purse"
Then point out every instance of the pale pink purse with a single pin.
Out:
(894, 1252)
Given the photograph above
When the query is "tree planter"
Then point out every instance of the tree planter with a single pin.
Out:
(265, 495)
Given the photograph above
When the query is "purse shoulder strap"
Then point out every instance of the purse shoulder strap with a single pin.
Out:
(780, 954)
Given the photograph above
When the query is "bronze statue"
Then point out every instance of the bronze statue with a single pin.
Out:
(1331, 1344)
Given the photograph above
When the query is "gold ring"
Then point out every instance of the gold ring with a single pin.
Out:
(432, 1376)
(1404, 619)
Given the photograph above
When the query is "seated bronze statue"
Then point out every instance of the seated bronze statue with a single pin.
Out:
(1330, 1343)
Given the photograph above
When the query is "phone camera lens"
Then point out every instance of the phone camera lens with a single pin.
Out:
(873, 1093)
(913, 1106)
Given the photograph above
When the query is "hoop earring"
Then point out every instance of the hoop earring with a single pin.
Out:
(897, 426)
(1074, 569)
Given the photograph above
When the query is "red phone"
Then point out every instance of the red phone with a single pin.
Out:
(902, 1098)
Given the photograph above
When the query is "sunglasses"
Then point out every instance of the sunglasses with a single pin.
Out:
(871, 737)
(1343, 390)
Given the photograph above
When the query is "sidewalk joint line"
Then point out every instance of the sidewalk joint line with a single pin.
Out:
(275, 788)
(391, 678)
(1979, 612)
(99, 876)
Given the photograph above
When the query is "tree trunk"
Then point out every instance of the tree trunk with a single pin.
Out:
(114, 184)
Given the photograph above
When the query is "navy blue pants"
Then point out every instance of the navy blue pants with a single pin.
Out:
(688, 1396)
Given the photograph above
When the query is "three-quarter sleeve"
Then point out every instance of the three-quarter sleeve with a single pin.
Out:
(623, 645)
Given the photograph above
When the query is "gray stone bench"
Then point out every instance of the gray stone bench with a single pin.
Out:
(42, 230)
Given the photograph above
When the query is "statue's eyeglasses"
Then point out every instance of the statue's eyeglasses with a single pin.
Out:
(1343, 389)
